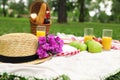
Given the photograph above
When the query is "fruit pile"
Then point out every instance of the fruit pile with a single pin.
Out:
(92, 46)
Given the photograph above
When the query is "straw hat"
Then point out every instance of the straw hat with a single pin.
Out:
(19, 48)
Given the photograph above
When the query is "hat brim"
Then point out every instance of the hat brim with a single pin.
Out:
(37, 61)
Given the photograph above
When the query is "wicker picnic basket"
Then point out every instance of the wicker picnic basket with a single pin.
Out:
(35, 7)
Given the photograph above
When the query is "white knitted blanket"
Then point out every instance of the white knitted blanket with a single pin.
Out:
(82, 66)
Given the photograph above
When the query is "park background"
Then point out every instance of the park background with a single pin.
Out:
(68, 16)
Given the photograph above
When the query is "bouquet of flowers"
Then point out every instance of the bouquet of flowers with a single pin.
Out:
(49, 45)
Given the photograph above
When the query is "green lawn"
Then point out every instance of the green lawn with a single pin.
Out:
(8, 25)
(114, 77)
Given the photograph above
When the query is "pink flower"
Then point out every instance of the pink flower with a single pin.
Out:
(49, 45)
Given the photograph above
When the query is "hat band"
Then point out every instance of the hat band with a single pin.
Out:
(23, 59)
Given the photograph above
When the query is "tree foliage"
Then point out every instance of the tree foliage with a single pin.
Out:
(77, 10)
(29, 3)
(18, 8)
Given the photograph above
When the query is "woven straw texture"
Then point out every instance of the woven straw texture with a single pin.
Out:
(18, 44)
(35, 8)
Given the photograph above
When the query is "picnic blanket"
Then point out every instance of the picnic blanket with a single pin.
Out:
(82, 66)
(77, 65)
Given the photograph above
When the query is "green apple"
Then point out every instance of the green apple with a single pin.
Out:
(74, 44)
(87, 42)
(94, 46)
(79, 45)
(83, 46)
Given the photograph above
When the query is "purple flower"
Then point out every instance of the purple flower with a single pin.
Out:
(42, 53)
(50, 44)
(46, 46)
(42, 40)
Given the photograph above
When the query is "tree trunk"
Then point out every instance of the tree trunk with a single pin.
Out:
(4, 11)
(82, 10)
(62, 11)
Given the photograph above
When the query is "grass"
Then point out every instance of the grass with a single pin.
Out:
(114, 77)
(8, 25)
(78, 28)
